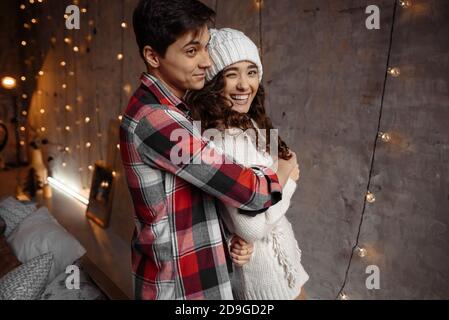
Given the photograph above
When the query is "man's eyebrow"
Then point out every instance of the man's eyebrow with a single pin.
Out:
(196, 42)
(192, 42)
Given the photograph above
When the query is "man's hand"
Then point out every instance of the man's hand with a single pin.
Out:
(241, 251)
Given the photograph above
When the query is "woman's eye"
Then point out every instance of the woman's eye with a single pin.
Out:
(252, 73)
(231, 75)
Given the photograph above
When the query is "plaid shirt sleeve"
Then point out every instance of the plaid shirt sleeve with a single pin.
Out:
(250, 189)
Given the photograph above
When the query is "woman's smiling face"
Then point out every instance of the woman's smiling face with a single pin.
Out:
(241, 85)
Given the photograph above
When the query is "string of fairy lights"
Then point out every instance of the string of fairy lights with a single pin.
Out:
(75, 120)
(385, 137)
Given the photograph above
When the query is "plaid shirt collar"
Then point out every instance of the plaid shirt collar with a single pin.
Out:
(163, 94)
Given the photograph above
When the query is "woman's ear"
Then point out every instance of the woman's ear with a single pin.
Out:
(151, 57)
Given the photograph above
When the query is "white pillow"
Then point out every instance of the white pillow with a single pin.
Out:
(40, 233)
(13, 212)
(28, 281)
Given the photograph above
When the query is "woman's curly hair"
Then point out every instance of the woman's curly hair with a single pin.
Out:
(215, 111)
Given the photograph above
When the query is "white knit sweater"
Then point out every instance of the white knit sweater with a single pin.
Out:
(275, 271)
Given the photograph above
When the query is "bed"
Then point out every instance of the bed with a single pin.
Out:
(39, 259)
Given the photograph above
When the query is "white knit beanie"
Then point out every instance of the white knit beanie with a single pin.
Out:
(228, 46)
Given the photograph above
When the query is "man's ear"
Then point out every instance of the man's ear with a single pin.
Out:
(151, 57)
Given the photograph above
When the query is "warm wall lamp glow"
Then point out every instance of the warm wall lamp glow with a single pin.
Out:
(61, 186)
(9, 83)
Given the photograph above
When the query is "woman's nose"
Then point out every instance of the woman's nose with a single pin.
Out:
(242, 84)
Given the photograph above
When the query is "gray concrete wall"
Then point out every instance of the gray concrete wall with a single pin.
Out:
(328, 95)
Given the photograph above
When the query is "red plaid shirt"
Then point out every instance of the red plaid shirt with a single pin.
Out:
(178, 250)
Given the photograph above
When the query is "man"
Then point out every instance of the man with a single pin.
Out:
(178, 250)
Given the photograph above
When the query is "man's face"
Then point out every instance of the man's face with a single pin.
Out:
(186, 60)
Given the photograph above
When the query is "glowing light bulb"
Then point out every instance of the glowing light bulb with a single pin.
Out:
(88, 144)
(361, 252)
(67, 40)
(43, 129)
(104, 184)
(343, 296)
(76, 49)
(118, 146)
(63, 63)
(8, 83)
(24, 43)
(68, 107)
(22, 6)
(22, 143)
(405, 3)
(24, 113)
(120, 117)
(385, 136)
(67, 128)
(67, 149)
(370, 197)
(64, 164)
(41, 73)
(24, 96)
(23, 78)
(42, 111)
(127, 88)
(87, 120)
(90, 168)
(124, 25)
(394, 72)
(64, 86)
(34, 20)
(83, 10)
(120, 56)
(114, 174)
(22, 129)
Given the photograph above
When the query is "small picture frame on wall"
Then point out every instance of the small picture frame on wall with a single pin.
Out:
(101, 193)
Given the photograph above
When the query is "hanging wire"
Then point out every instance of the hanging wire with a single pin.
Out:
(260, 31)
(64, 152)
(97, 107)
(121, 82)
(216, 12)
(374, 148)
(77, 112)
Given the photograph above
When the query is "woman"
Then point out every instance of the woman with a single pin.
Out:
(233, 101)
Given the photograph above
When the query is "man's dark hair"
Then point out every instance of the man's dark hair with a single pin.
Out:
(159, 23)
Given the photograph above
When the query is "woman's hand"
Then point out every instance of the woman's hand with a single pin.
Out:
(241, 251)
(295, 174)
